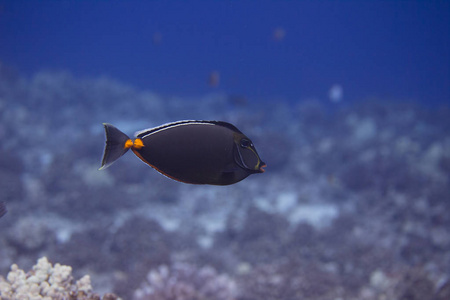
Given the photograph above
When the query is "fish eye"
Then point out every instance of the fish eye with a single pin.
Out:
(245, 143)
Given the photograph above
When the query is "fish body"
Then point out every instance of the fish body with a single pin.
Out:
(196, 152)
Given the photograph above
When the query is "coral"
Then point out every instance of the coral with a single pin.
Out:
(261, 238)
(186, 282)
(30, 234)
(11, 168)
(48, 282)
(127, 249)
(146, 245)
(415, 285)
(403, 284)
(382, 167)
(289, 280)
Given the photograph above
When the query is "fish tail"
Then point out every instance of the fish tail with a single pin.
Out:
(117, 144)
(3, 209)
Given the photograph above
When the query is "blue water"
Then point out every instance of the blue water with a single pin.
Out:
(381, 49)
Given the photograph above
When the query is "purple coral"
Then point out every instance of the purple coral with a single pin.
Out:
(186, 282)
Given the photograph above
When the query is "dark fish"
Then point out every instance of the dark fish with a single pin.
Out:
(197, 152)
(3, 209)
(214, 79)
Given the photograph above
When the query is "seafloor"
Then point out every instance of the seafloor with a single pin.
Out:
(354, 203)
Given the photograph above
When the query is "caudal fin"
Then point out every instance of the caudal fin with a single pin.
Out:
(3, 209)
(116, 145)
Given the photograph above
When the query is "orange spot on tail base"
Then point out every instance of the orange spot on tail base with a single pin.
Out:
(128, 144)
(138, 144)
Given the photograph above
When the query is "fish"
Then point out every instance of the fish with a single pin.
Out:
(3, 209)
(214, 78)
(278, 34)
(189, 151)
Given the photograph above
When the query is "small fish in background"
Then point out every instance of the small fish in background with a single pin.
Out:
(196, 152)
(336, 93)
(157, 38)
(3, 209)
(278, 34)
(214, 79)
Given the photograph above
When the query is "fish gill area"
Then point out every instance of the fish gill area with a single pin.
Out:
(354, 203)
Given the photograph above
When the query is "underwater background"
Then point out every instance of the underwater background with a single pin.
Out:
(346, 101)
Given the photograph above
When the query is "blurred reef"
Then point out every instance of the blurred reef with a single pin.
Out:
(354, 203)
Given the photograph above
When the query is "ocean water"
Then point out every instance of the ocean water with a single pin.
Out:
(346, 101)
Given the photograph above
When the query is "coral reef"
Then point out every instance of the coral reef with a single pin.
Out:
(48, 282)
(186, 282)
(11, 168)
(289, 280)
(30, 235)
(261, 238)
(354, 203)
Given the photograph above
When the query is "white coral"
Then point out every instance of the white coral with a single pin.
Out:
(45, 282)
(186, 282)
(84, 284)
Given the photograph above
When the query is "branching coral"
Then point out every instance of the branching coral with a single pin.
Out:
(47, 282)
(186, 282)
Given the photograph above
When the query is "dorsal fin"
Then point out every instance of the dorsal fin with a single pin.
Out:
(143, 133)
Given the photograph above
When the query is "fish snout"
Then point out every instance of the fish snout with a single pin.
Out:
(262, 166)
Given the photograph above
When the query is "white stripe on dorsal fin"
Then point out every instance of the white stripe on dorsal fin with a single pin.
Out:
(142, 133)
(146, 132)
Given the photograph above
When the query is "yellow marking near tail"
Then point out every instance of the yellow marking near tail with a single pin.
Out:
(138, 144)
(128, 144)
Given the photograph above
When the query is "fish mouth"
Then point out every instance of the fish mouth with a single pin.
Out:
(261, 170)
